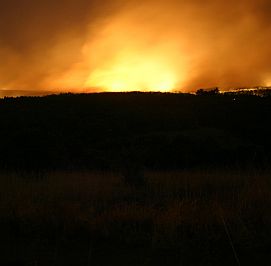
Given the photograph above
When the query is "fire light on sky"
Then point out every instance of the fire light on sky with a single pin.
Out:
(127, 56)
(127, 45)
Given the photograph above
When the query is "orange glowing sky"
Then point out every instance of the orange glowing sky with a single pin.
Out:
(85, 46)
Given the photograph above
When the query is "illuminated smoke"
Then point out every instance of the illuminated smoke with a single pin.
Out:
(80, 45)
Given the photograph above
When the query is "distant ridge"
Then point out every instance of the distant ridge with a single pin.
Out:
(257, 90)
(17, 93)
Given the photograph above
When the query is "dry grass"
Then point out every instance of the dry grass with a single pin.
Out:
(171, 197)
(173, 208)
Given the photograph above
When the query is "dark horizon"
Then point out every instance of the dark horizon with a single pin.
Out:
(19, 93)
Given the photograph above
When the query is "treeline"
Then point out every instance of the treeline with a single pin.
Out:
(141, 130)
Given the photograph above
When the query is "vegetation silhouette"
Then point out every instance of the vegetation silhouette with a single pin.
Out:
(161, 130)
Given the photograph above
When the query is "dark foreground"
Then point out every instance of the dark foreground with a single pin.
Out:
(171, 218)
(136, 179)
(109, 131)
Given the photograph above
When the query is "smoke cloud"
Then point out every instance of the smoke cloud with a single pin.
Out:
(82, 45)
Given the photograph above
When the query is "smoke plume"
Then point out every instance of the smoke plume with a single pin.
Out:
(82, 45)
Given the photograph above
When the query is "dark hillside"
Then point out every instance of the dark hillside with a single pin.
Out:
(135, 179)
(151, 130)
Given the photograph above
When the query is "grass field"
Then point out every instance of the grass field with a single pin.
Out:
(189, 217)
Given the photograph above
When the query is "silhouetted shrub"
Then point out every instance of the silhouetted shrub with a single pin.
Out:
(207, 92)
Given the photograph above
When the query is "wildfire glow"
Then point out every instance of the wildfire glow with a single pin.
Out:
(129, 55)
(134, 74)
(129, 45)
(268, 82)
